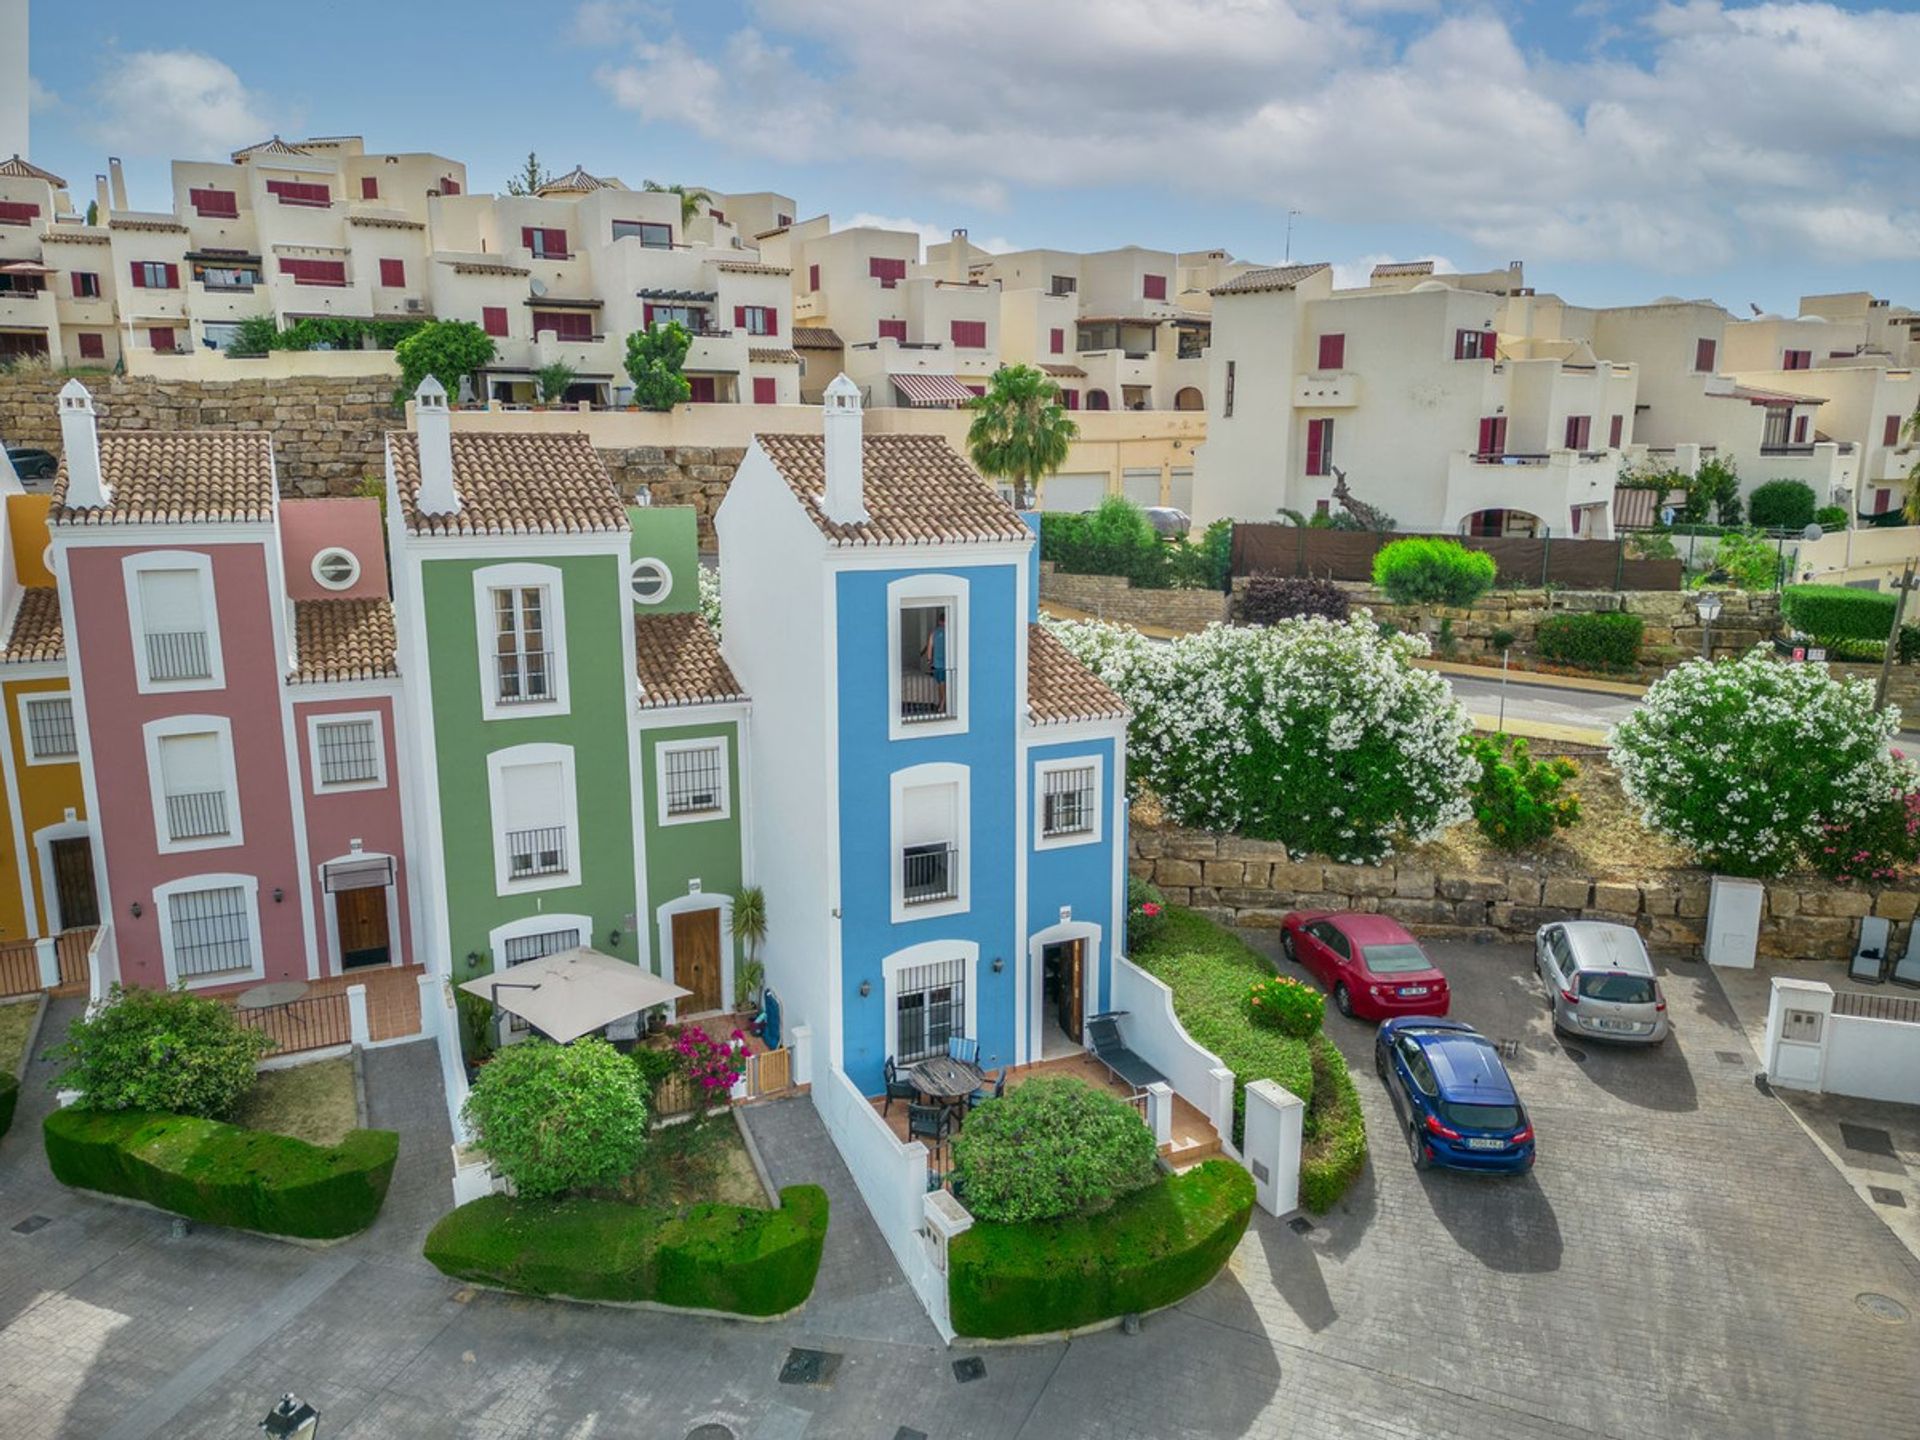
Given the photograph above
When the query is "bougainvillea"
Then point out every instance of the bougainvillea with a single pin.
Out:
(1752, 764)
(714, 1066)
(1322, 735)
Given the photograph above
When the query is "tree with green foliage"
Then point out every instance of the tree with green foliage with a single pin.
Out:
(1051, 1147)
(448, 350)
(690, 200)
(1911, 510)
(1518, 802)
(1748, 560)
(1782, 505)
(1714, 488)
(529, 178)
(167, 1050)
(654, 358)
(1020, 431)
(552, 382)
(93, 212)
(255, 336)
(559, 1118)
(1421, 570)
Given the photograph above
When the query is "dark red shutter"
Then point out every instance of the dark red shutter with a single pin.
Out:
(1892, 435)
(1490, 345)
(493, 319)
(646, 317)
(894, 329)
(139, 275)
(1486, 434)
(773, 321)
(161, 337)
(739, 317)
(393, 273)
(1615, 429)
(813, 277)
(702, 392)
(369, 187)
(79, 285)
(1057, 342)
(1460, 344)
(92, 347)
(1800, 429)
(173, 277)
(1317, 436)
(1154, 287)
(18, 212)
(1333, 352)
(1070, 399)
(526, 237)
(1703, 354)
(449, 185)
(969, 334)
(765, 391)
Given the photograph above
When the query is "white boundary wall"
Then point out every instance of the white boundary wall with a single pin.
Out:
(1152, 1030)
(1810, 1046)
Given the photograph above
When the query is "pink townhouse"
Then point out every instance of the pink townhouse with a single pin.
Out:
(233, 691)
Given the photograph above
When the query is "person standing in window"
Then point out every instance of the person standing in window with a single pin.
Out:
(934, 652)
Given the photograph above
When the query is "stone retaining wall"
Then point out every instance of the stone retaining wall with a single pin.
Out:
(1254, 883)
(1112, 597)
(696, 475)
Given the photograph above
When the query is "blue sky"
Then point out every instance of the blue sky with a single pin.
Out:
(1623, 149)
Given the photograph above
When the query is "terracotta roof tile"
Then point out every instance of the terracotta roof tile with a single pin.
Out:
(816, 337)
(678, 661)
(1060, 690)
(488, 267)
(1404, 267)
(163, 227)
(18, 169)
(575, 182)
(513, 484)
(751, 267)
(917, 491)
(343, 640)
(74, 235)
(275, 146)
(385, 222)
(772, 357)
(161, 477)
(36, 633)
(1274, 277)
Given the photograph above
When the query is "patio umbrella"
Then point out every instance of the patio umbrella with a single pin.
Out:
(573, 992)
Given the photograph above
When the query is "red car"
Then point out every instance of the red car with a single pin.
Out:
(1373, 967)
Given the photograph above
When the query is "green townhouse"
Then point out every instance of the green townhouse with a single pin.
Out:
(577, 735)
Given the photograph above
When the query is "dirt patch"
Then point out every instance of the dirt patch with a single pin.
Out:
(16, 1021)
(313, 1102)
(695, 1164)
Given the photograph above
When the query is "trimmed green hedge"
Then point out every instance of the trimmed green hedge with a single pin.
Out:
(9, 1097)
(1150, 1249)
(1838, 612)
(225, 1175)
(1335, 1149)
(1608, 639)
(1209, 971)
(709, 1257)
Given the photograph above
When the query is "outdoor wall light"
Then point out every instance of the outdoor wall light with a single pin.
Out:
(473, 958)
(613, 938)
(135, 908)
(999, 963)
(866, 988)
(278, 894)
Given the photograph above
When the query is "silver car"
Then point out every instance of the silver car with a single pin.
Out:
(1600, 982)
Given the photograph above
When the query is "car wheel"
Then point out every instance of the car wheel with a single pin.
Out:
(1286, 947)
(1342, 1000)
(1417, 1149)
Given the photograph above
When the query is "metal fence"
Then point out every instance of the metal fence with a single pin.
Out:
(924, 698)
(537, 852)
(197, 814)
(177, 655)
(929, 873)
(313, 1023)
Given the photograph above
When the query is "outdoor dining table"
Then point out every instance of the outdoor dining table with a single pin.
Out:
(942, 1078)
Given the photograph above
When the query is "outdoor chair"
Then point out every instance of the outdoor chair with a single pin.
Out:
(1111, 1051)
(926, 1122)
(1869, 966)
(897, 1089)
(983, 1094)
(1907, 971)
(966, 1051)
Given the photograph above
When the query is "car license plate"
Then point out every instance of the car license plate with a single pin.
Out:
(1626, 1025)
(1479, 1142)
(1413, 989)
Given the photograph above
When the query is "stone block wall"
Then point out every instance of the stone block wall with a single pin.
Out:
(696, 475)
(1254, 883)
(1112, 597)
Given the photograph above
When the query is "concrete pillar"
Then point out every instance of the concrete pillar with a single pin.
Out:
(47, 952)
(1276, 1118)
(357, 1025)
(431, 992)
(1221, 1111)
(800, 1042)
(1160, 1112)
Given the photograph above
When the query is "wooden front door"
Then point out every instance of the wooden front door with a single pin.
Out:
(696, 959)
(362, 915)
(1072, 992)
(73, 883)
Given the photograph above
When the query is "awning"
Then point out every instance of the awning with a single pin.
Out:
(1635, 508)
(554, 302)
(681, 297)
(26, 267)
(923, 389)
(1065, 372)
(363, 872)
(573, 992)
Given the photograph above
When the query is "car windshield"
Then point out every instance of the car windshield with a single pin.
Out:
(1617, 988)
(1482, 1117)
(1396, 959)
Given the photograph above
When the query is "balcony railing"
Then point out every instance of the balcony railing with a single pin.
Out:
(178, 654)
(1786, 449)
(536, 852)
(1510, 457)
(197, 815)
(524, 676)
(924, 698)
(929, 873)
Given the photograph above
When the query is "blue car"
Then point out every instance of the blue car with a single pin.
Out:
(1456, 1104)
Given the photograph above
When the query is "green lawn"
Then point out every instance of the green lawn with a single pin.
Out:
(313, 1102)
(16, 1019)
(695, 1164)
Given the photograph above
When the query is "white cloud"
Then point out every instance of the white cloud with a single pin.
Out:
(176, 102)
(929, 234)
(39, 98)
(1354, 274)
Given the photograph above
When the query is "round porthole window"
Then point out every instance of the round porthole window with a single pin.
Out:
(651, 581)
(335, 568)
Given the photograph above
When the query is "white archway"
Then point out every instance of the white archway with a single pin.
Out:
(695, 900)
(1038, 1020)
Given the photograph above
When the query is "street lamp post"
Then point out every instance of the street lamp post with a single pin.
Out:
(1709, 604)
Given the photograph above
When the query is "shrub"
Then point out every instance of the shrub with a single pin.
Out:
(1324, 736)
(9, 1098)
(1115, 539)
(1269, 598)
(1153, 1248)
(654, 358)
(1907, 650)
(1749, 560)
(222, 1174)
(1609, 639)
(448, 350)
(1713, 490)
(655, 1064)
(1424, 571)
(1501, 640)
(1875, 848)
(552, 381)
(1831, 517)
(708, 1257)
(714, 1066)
(1051, 1147)
(161, 1050)
(1782, 505)
(1146, 913)
(1335, 1148)
(1279, 1002)
(1838, 612)
(554, 1118)
(1746, 764)
(1519, 801)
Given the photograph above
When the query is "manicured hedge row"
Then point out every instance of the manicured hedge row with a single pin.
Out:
(708, 1257)
(1838, 612)
(1150, 1249)
(1609, 639)
(1335, 1148)
(223, 1174)
(9, 1097)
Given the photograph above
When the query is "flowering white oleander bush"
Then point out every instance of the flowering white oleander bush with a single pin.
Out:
(1318, 734)
(1749, 764)
(710, 597)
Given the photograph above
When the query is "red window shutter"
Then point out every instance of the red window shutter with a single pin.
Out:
(92, 347)
(894, 330)
(393, 273)
(1800, 429)
(1892, 436)
(1490, 345)
(1154, 287)
(813, 277)
(139, 275)
(80, 285)
(18, 212)
(526, 237)
(702, 389)
(1499, 434)
(1486, 432)
(161, 337)
(765, 390)
(173, 277)
(1703, 354)
(369, 187)
(1615, 429)
(1333, 352)
(1056, 342)
(739, 317)
(449, 185)
(646, 317)
(773, 321)
(1576, 432)
(557, 243)
(1319, 434)
(493, 319)
(1460, 344)
(968, 334)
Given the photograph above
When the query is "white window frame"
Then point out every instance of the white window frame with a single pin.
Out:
(929, 589)
(918, 777)
(27, 700)
(662, 749)
(163, 915)
(933, 952)
(131, 569)
(505, 1030)
(327, 553)
(498, 763)
(654, 566)
(346, 717)
(1095, 833)
(486, 580)
(152, 733)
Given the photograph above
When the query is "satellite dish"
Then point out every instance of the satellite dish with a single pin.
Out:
(538, 287)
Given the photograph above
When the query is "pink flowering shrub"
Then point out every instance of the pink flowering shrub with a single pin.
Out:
(714, 1066)
(1875, 848)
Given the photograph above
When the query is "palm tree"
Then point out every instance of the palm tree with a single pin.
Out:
(690, 200)
(1020, 431)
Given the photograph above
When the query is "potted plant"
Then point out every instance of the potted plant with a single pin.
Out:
(750, 926)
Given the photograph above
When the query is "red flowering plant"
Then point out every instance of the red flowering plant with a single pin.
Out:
(1876, 847)
(714, 1066)
(1146, 914)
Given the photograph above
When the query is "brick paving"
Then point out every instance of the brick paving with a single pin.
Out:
(1683, 1263)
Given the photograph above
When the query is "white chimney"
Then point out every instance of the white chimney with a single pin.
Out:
(102, 199)
(433, 429)
(844, 502)
(81, 441)
(958, 252)
(117, 175)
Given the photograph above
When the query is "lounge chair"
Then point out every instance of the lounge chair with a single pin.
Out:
(1907, 971)
(963, 1049)
(1111, 1051)
(1869, 965)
